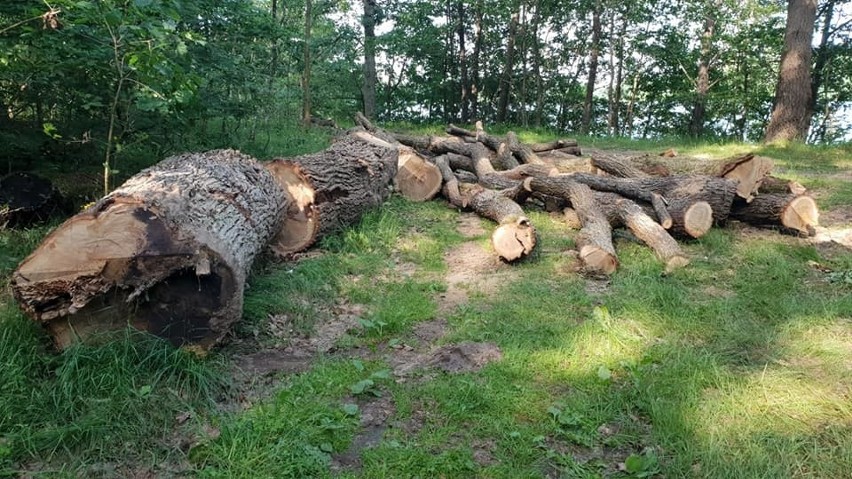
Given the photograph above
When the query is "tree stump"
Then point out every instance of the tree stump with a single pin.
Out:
(168, 252)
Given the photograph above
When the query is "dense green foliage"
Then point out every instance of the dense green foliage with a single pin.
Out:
(128, 81)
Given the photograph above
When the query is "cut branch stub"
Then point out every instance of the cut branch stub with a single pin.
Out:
(168, 252)
(330, 189)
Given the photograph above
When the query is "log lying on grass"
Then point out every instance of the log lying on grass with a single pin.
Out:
(168, 252)
(331, 189)
(416, 179)
(515, 237)
(796, 213)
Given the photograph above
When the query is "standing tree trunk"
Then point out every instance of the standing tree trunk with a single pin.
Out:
(791, 114)
(465, 80)
(474, 62)
(369, 89)
(168, 252)
(508, 66)
(588, 104)
(538, 119)
(822, 56)
(702, 81)
(306, 58)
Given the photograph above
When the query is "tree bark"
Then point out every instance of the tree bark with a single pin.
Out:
(790, 212)
(368, 90)
(306, 59)
(477, 50)
(594, 51)
(168, 252)
(463, 70)
(791, 114)
(508, 67)
(702, 81)
(331, 189)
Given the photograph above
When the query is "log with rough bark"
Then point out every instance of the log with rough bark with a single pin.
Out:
(690, 217)
(772, 184)
(790, 212)
(553, 145)
(719, 193)
(168, 252)
(594, 241)
(623, 212)
(748, 170)
(416, 179)
(26, 199)
(331, 189)
(515, 237)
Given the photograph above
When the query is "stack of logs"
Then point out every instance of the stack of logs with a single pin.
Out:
(657, 199)
(170, 250)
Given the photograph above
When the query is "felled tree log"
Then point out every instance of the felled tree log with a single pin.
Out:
(719, 193)
(748, 170)
(594, 241)
(26, 199)
(331, 189)
(553, 145)
(623, 212)
(772, 184)
(168, 252)
(515, 236)
(416, 179)
(790, 212)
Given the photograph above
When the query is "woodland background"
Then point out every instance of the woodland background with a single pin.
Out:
(127, 82)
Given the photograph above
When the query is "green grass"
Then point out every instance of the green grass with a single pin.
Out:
(736, 366)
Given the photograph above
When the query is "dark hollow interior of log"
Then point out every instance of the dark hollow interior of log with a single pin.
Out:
(180, 307)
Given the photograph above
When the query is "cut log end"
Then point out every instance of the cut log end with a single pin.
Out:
(514, 240)
(801, 214)
(698, 219)
(597, 260)
(300, 226)
(416, 178)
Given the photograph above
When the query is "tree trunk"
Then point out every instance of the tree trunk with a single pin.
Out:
(168, 252)
(702, 81)
(369, 88)
(594, 51)
(465, 81)
(331, 189)
(508, 66)
(594, 241)
(477, 50)
(306, 58)
(822, 53)
(791, 114)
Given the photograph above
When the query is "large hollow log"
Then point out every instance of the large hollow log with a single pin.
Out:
(168, 252)
(331, 189)
(789, 212)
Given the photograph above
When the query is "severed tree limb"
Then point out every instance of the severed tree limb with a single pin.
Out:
(617, 167)
(521, 151)
(594, 241)
(659, 205)
(772, 184)
(621, 211)
(793, 213)
(553, 145)
(416, 179)
(515, 237)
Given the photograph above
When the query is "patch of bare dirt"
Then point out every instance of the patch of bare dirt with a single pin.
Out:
(375, 416)
(469, 225)
(483, 452)
(472, 268)
(451, 358)
(431, 331)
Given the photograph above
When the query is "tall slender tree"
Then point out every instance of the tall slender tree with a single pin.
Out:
(368, 90)
(791, 113)
(702, 80)
(508, 67)
(594, 52)
(306, 58)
